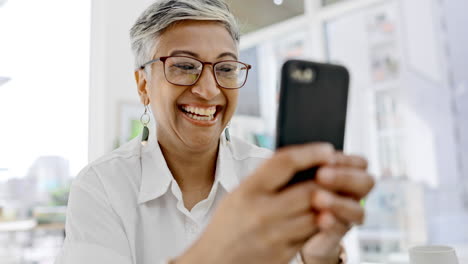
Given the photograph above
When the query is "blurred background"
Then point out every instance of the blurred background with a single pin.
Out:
(67, 96)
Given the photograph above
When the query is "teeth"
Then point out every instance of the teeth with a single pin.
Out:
(200, 111)
(201, 118)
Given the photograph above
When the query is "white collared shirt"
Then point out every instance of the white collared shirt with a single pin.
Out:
(126, 208)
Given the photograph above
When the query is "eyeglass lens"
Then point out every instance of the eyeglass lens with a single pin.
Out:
(186, 71)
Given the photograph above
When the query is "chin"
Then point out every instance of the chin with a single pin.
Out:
(202, 142)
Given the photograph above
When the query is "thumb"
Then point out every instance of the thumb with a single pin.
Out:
(286, 162)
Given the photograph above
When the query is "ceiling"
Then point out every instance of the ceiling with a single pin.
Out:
(256, 14)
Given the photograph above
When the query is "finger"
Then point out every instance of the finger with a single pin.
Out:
(278, 170)
(299, 228)
(355, 161)
(332, 226)
(355, 182)
(328, 238)
(344, 208)
(295, 199)
(292, 250)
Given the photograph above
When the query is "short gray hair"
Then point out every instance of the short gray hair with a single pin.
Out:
(163, 13)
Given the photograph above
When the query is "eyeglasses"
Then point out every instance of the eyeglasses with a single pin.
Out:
(186, 71)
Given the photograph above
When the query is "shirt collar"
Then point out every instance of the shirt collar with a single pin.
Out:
(225, 170)
(156, 176)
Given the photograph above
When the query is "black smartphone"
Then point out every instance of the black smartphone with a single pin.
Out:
(312, 106)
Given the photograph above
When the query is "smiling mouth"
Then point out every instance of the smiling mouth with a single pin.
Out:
(200, 113)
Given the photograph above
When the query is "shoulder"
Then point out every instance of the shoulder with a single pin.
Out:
(246, 157)
(243, 150)
(115, 170)
(127, 151)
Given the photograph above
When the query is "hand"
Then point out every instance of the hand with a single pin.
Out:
(258, 223)
(346, 183)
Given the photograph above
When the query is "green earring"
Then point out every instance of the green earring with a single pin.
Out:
(145, 119)
(226, 133)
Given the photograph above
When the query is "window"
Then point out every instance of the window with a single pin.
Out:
(400, 115)
(44, 121)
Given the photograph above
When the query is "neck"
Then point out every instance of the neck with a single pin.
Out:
(193, 170)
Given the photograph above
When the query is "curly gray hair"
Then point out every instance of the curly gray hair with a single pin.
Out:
(163, 13)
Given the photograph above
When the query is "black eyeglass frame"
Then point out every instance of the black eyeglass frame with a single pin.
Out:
(213, 65)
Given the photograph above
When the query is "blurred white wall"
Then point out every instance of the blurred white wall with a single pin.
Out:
(457, 41)
(111, 78)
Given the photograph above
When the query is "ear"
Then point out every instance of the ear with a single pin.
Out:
(140, 78)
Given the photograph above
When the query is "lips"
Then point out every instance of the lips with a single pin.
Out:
(200, 111)
(203, 115)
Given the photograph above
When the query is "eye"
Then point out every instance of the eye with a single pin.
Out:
(185, 66)
(226, 68)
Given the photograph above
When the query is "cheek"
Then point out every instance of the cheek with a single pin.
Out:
(155, 92)
(158, 90)
(164, 97)
(160, 99)
(231, 97)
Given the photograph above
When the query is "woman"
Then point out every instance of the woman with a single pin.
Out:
(190, 194)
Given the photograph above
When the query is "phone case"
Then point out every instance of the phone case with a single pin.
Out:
(313, 103)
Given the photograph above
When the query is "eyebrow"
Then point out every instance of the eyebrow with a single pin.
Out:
(193, 54)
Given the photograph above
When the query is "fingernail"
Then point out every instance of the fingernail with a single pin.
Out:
(326, 175)
(324, 200)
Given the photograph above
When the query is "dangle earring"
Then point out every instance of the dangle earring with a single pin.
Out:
(226, 132)
(145, 119)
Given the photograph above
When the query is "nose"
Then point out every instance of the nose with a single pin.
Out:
(206, 87)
